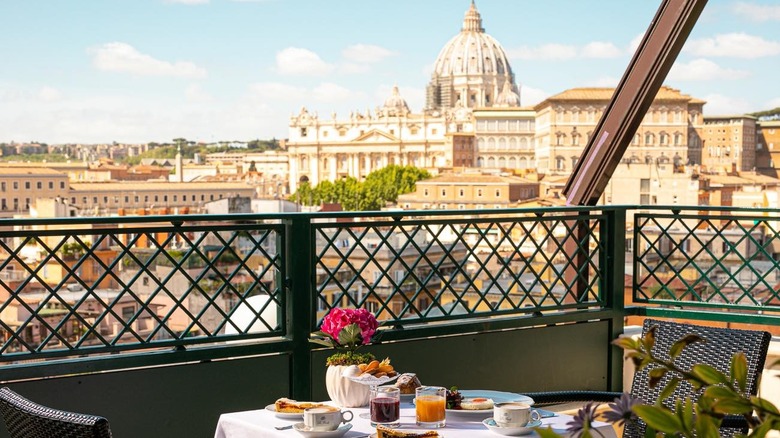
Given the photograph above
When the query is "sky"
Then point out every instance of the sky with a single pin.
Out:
(137, 71)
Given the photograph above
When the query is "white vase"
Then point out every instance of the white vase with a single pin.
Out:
(344, 392)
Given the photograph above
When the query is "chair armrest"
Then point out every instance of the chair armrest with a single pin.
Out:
(557, 397)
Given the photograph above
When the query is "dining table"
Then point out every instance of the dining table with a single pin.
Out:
(263, 423)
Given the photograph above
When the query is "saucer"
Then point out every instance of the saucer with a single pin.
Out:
(306, 432)
(511, 431)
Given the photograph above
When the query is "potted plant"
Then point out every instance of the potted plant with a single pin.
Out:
(346, 330)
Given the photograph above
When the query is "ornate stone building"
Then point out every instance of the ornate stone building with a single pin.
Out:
(472, 86)
(669, 133)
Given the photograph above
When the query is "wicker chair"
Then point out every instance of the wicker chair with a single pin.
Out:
(25, 419)
(720, 346)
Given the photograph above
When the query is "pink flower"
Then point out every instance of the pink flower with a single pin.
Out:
(337, 319)
(367, 323)
(334, 321)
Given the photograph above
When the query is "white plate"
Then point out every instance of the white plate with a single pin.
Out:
(511, 431)
(303, 430)
(496, 396)
(287, 415)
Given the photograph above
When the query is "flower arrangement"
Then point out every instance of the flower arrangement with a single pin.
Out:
(346, 330)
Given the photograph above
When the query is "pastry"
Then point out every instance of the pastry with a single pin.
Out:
(407, 383)
(386, 432)
(292, 406)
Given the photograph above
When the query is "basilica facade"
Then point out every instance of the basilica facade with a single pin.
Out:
(472, 91)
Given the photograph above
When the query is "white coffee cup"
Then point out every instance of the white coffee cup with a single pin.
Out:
(325, 418)
(514, 414)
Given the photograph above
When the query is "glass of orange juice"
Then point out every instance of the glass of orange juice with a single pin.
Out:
(430, 402)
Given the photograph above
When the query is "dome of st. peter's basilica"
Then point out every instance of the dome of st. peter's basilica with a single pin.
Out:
(471, 70)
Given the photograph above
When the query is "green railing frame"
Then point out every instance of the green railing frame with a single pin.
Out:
(296, 240)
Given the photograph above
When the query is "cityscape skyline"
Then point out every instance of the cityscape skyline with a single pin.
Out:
(154, 70)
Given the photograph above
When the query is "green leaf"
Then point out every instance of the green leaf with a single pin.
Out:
(655, 376)
(732, 406)
(765, 405)
(319, 341)
(349, 335)
(680, 345)
(719, 392)
(739, 370)
(687, 413)
(648, 341)
(708, 374)
(658, 418)
(669, 389)
(707, 426)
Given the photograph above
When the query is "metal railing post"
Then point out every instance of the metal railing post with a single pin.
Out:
(615, 265)
(300, 318)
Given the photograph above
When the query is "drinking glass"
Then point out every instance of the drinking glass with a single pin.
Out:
(385, 406)
(430, 402)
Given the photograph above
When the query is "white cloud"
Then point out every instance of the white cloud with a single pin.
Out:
(546, 51)
(600, 49)
(49, 94)
(736, 45)
(604, 81)
(758, 12)
(122, 57)
(195, 93)
(530, 96)
(703, 70)
(366, 53)
(354, 69)
(718, 104)
(634, 43)
(278, 91)
(560, 52)
(298, 61)
(332, 93)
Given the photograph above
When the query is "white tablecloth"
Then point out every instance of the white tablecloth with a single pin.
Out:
(260, 424)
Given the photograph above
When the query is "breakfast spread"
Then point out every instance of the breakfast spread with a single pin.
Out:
(293, 407)
(407, 383)
(386, 432)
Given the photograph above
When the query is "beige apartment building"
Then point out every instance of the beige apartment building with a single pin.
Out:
(151, 197)
(728, 144)
(669, 132)
(464, 191)
(21, 186)
(768, 147)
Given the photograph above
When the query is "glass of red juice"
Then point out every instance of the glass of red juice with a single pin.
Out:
(385, 406)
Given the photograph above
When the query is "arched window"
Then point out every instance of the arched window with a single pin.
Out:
(512, 163)
(523, 163)
(501, 162)
(480, 162)
(304, 163)
(678, 139)
(663, 139)
(502, 144)
(560, 139)
(481, 143)
(560, 163)
(491, 162)
(575, 139)
(512, 144)
(491, 144)
(523, 143)
(649, 139)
